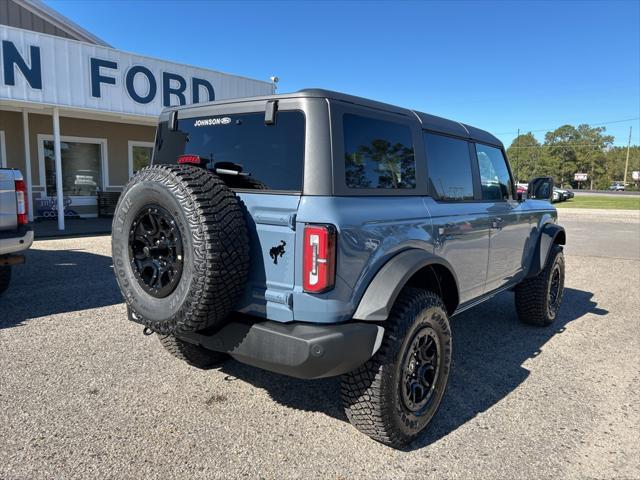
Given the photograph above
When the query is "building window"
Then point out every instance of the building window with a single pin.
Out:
(139, 156)
(378, 153)
(81, 168)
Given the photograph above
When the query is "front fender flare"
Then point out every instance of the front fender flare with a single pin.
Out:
(381, 294)
(550, 234)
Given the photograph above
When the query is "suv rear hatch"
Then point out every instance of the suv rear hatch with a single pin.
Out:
(263, 163)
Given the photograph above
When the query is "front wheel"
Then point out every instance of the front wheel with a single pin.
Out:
(538, 299)
(397, 392)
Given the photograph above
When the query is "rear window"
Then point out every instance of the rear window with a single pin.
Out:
(378, 153)
(271, 155)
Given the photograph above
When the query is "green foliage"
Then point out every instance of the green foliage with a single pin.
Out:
(394, 165)
(618, 202)
(568, 150)
(525, 156)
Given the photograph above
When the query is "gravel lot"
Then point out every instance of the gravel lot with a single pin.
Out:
(84, 393)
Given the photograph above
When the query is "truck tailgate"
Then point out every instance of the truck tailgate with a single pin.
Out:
(8, 218)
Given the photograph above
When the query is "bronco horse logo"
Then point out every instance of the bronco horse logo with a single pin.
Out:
(277, 251)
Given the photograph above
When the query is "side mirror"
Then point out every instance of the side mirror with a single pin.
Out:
(540, 188)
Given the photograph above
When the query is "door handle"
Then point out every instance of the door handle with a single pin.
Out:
(446, 229)
(497, 223)
(443, 234)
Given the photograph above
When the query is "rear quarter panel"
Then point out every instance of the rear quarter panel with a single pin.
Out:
(370, 231)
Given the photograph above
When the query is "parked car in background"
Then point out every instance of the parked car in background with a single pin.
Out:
(16, 234)
(557, 196)
(521, 189)
(617, 187)
(565, 194)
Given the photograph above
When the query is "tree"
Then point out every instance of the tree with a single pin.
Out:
(393, 164)
(524, 157)
(572, 149)
(615, 162)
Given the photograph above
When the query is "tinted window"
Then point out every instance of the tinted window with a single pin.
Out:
(378, 154)
(494, 175)
(273, 155)
(449, 167)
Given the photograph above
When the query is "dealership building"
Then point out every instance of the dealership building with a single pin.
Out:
(78, 116)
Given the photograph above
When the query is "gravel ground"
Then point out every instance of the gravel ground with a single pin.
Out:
(84, 394)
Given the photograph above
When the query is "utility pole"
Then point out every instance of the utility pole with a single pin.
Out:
(626, 165)
(517, 155)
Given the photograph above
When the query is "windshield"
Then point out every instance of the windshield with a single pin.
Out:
(240, 148)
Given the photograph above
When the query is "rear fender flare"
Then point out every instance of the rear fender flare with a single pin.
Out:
(382, 292)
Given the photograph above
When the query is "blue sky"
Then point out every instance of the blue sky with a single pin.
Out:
(496, 65)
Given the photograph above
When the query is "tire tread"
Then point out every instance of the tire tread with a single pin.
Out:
(531, 293)
(364, 390)
(220, 242)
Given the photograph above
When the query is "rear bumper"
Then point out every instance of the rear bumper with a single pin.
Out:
(16, 240)
(299, 350)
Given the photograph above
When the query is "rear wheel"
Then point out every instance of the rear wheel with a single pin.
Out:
(538, 299)
(5, 278)
(194, 355)
(397, 392)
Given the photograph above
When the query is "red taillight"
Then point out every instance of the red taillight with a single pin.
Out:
(189, 159)
(21, 202)
(319, 258)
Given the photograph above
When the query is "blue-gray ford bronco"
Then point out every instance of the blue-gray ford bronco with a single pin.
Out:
(317, 234)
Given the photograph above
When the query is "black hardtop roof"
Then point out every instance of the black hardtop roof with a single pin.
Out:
(429, 122)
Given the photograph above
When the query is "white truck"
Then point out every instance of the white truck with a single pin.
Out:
(16, 234)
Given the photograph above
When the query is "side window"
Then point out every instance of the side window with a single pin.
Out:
(378, 153)
(494, 174)
(449, 165)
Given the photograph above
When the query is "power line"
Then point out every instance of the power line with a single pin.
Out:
(588, 124)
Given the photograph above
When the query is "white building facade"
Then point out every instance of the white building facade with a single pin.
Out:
(77, 116)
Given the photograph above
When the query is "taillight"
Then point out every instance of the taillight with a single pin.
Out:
(319, 258)
(189, 159)
(21, 202)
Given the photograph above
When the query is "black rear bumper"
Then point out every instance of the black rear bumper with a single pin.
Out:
(299, 350)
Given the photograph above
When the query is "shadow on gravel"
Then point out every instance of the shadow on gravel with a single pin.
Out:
(489, 344)
(57, 281)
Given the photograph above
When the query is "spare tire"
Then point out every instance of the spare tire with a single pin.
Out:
(180, 248)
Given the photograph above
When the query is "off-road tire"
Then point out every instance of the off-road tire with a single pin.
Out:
(532, 294)
(5, 278)
(214, 240)
(194, 355)
(372, 395)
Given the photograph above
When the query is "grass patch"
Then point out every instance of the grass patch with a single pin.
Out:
(623, 202)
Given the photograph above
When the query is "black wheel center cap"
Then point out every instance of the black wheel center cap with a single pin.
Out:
(156, 251)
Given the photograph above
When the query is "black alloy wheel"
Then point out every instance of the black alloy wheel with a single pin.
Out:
(555, 292)
(420, 370)
(156, 251)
